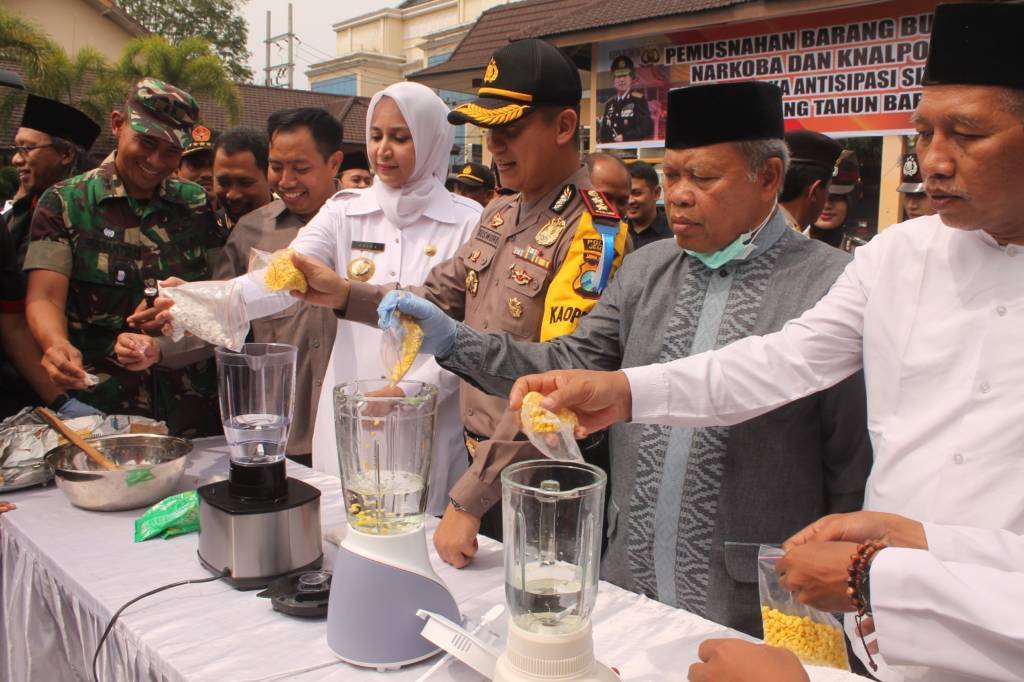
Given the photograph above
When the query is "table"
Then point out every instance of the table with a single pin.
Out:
(65, 571)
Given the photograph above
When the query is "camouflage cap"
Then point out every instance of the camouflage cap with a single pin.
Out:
(163, 111)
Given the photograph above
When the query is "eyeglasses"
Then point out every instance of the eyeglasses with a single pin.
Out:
(23, 150)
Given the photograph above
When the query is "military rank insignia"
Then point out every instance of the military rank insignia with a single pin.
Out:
(515, 307)
(497, 220)
(551, 231)
(531, 255)
(598, 205)
(474, 255)
(472, 282)
(562, 200)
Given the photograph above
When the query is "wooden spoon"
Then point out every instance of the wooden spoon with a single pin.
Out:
(76, 440)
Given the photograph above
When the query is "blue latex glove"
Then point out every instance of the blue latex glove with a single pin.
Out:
(76, 408)
(438, 328)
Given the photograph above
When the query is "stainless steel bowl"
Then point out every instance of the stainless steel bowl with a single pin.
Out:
(151, 468)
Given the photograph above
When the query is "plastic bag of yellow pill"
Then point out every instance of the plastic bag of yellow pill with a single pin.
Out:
(550, 432)
(814, 636)
(275, 271)
(400, 345)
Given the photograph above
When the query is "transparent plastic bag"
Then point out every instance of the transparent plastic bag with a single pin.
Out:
(814, 636)
(212, 311)
(551, 433)
(276, 272)
(400, 345)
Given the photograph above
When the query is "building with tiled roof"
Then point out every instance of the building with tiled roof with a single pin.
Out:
(847, 68)
(258, 103)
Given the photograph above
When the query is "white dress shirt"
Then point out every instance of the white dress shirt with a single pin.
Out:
(955, 608)
(353, 215)
(935, 315)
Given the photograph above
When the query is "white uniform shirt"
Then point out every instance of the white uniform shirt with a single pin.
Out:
(353, 215)
(956, 607)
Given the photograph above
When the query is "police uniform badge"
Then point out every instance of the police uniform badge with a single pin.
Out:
(551, 231)
(910, 167)
(515, 307)
(472, 282)
(361, 269)
(497, 220)
(491, 72)
(201, 134)
(474, 255)
(519, 275)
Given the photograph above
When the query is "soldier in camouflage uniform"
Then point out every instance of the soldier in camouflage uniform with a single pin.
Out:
(97, 238)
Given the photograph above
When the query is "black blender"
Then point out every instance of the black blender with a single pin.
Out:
(259, 524)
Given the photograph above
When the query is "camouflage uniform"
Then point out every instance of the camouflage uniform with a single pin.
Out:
(108, 244)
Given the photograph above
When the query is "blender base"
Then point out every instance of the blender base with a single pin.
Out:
(533, 657)
(380, 583)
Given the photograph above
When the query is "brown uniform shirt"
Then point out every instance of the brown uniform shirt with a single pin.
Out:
(310, 328)
(500, 281)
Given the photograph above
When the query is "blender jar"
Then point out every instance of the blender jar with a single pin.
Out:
(552, 513)
(257, 395)
(385, 439)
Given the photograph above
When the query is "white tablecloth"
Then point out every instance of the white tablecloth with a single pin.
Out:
(65, 571)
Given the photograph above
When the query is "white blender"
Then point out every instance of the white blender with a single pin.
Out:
(551, 513)
(382, 573)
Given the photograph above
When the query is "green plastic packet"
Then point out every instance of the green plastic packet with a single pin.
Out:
(174, 515)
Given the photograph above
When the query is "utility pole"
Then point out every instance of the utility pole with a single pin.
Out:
(291, 49)
(275, 73)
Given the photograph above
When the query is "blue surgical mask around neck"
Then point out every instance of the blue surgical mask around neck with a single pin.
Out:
(740, 249)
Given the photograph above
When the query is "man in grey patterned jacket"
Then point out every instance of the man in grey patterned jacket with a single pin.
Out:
(689, 507)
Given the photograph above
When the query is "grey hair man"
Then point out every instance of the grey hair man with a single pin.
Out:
(689, 507)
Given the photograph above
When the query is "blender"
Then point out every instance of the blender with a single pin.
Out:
(259, 524)
(551, 513)
(383, 573)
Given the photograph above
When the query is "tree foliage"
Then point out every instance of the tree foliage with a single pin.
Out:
(189, 64)
(84, 80)
(217, 21)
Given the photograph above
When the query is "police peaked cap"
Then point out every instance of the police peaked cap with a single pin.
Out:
(59, 120)
(703, 115)
(810, 148)
(976, 44)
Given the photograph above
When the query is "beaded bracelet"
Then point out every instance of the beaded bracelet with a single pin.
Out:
(858, 586)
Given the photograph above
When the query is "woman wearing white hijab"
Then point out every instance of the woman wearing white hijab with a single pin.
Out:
(394, 231)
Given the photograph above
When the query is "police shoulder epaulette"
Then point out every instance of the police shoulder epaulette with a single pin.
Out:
(598, 205)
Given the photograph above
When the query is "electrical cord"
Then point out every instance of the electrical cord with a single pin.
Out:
(113, 619)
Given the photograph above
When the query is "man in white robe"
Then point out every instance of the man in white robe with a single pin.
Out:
(931, 309)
